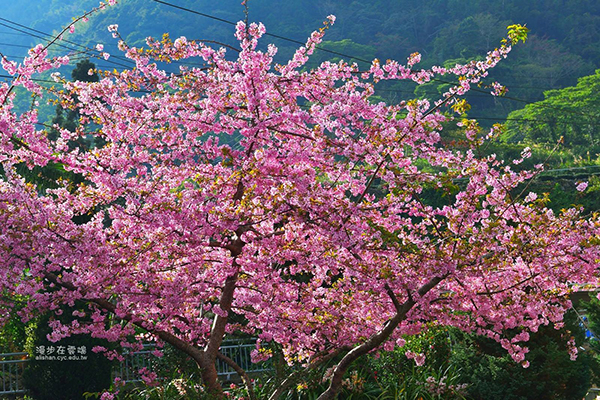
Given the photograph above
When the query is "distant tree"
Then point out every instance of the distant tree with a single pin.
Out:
(71, 368)
(84, 71)
(491, 375)
(572, 113)
(65, 379)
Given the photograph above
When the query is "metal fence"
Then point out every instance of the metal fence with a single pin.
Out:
(13, 365)
(239, 351)
(128, 369)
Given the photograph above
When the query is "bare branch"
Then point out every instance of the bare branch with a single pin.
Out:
(240, 371)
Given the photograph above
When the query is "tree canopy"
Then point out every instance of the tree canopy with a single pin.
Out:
(310, 232)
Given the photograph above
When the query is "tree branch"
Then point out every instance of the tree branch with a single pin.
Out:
(287, 382)
(240, 371)
(375, 340)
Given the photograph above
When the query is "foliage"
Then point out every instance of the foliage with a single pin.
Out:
(61, 376)
(551, 374)
(441, 30)
(169, 389)
(569, 115)
(436, 376)
(13, 332)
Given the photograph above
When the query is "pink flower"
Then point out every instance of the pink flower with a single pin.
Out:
(418, 357)
(530, 197)
(581, 186)
(99, 47)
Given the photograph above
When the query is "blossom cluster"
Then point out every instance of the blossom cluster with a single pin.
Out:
(279, 193)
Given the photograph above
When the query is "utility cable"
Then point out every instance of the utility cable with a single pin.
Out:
(266, 34)
(92, 52)
(88, 51)
(362, 59)
(278, 37)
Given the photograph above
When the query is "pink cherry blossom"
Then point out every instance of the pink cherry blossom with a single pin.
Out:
(279, 194)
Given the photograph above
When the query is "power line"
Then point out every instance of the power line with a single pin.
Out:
(266, 34)
(363, 60)
(88, 51)
(534, 120)
(13, 33)
(35, 80)
(196, 12)
(70, 59)
(30, 34)
(15, 45)
(537, 104)
(486, 93)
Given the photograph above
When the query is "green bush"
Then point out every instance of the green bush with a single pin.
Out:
(66, 379)
(491, 374)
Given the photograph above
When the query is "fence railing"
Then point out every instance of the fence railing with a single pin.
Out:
(238, 350)
(240, 353)
(13, 365)
(128, 369)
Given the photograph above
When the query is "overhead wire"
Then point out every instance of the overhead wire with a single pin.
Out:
(86, 48)
(366, 61)
(214, 18)
(266, 34)
(535, 120)
(34, 79)
(89, 50)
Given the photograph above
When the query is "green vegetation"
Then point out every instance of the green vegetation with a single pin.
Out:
(51, 379)
(456, 366)
(571, 114)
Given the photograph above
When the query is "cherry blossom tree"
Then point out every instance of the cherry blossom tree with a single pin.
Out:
(277, 201)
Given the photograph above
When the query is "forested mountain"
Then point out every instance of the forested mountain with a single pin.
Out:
(563, 43)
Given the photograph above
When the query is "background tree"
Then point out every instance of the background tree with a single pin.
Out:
(490, 374)
(571, 113)
(84, 71)
(49, 379)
